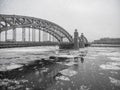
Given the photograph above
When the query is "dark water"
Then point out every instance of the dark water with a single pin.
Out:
(98, 69)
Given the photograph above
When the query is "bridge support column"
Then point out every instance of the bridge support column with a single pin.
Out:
(23, 34)
(76, 42)
(6, 35)
(39, 35)
(49, 37)
(29, 34)
(33, 34)
(14, 34)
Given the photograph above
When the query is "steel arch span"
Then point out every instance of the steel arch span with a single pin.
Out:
(8, 22)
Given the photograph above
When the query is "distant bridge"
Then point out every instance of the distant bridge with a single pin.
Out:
(33, 26)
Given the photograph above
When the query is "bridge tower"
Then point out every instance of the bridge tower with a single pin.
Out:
(76, 39)
(82, 41)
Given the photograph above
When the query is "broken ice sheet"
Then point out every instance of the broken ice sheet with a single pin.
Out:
(68, 72)
(111, 67)
(62, 78)
(10, 66)
(114, 63)
(90, 57)
(12, 84)
(70, 63)
(114, 81)
(113, 72)
(15, 87)
(44, 69)
(94, 55)
(115, 58)
(83, 87)
(114, 54)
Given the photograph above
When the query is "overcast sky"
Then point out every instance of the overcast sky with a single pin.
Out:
(94, 18)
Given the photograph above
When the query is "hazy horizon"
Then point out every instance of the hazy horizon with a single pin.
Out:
(95, 18)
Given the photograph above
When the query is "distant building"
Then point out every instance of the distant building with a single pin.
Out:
(107, 41)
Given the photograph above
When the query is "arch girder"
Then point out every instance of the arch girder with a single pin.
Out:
(84, 39)
(24, 21)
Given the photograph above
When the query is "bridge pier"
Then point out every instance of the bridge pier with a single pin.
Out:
(14, 34)
(79, 42)
(23, 34)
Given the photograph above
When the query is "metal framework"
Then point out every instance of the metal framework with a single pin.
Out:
(83, 39)
(16, 21)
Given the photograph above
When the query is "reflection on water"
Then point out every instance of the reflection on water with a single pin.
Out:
(96, 69)
(82, 59)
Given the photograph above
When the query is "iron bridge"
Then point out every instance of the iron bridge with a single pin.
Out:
(8, 22)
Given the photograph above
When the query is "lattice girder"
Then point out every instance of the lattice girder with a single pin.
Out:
(15, 21)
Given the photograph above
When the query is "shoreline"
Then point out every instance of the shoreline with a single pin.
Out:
(104, 45)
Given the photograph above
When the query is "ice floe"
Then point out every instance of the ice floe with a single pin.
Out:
(12, 84)
(7, 67)
(110, 54)
(83, 87)
(94, 55)
(90, 57)
(68, 72)
(113, 72)
(114, 63)
(114, 81)
(62, 78)
(115, 58)
(110, 67)
(44, 69)
(70, 63)
(101, 73)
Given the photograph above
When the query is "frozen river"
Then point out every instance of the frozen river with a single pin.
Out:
(99, 69)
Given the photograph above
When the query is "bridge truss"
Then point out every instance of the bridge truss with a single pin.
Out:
(8, 22)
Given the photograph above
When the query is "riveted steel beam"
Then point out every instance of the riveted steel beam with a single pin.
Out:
(17, 21)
